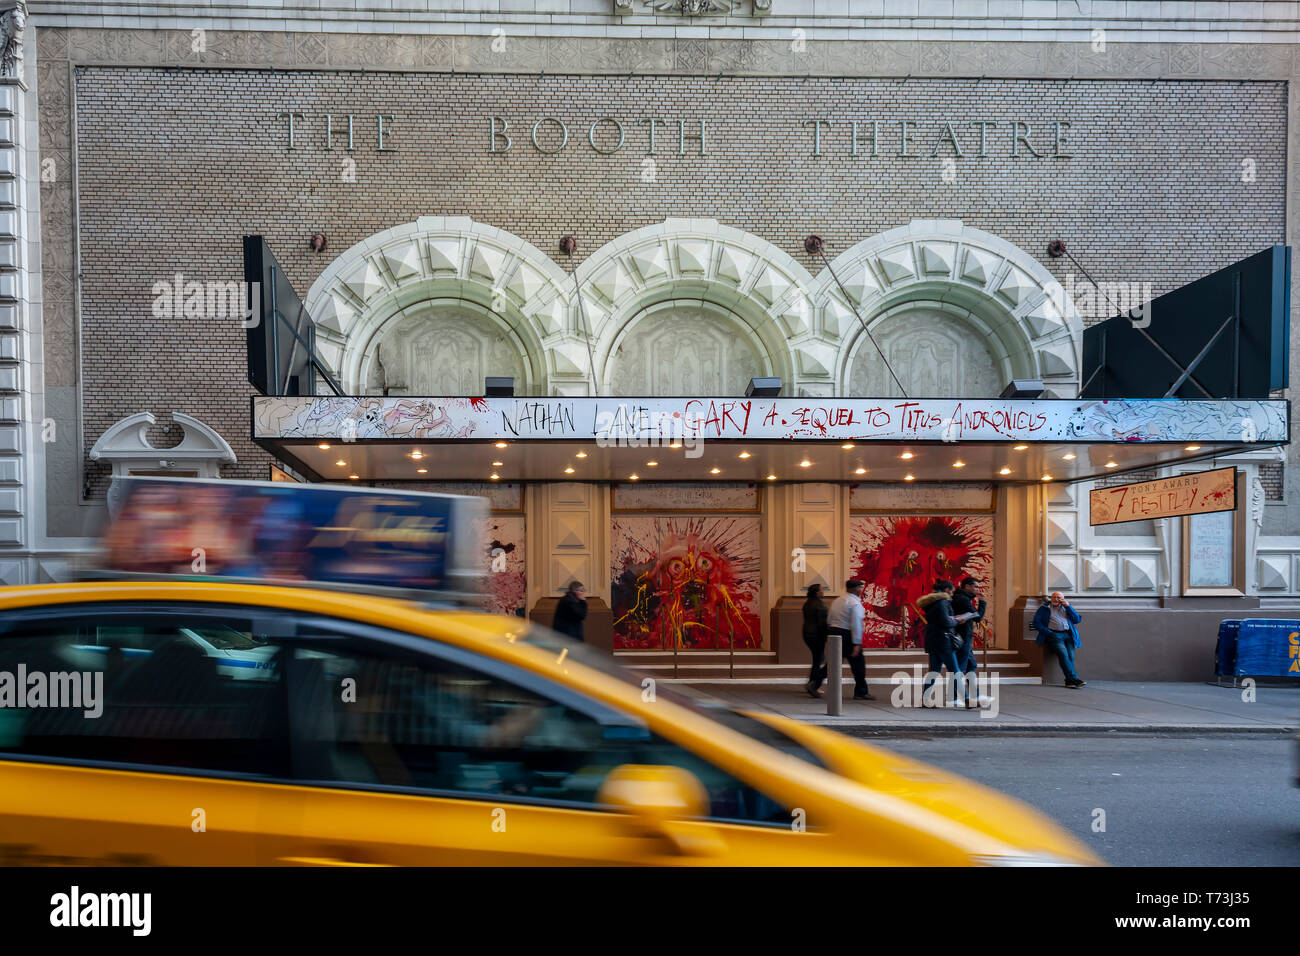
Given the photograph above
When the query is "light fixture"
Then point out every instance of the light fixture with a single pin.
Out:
(633, 477)
(1112, 464)
(1019, 447)
(805, 463)
(1023, 388)
(498, 386)
(1070, 456)
(502, 444)
(715, 471)
(771, 477)
(494, 476)
(497, 464)
(1004, 471)
(848, 445)
(763, 388)
(568, 470)
(323, 446)
(907, 456)
(909, 477)
(1047, 477)
(354, 477)
(675, 444)
(422, 471)
(959, 463)
(859, 471)
(1192, 448)
(652, 464)
(417, 455)
(581, 454)
(341, 463)
(743, 454)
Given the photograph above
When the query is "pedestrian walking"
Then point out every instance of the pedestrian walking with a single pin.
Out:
(847, 617)
(571, 611)
(814, 635)
(941, 639)
(1055, 623)
(966, 600)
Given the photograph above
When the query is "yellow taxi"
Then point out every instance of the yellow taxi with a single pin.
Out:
(212, 723)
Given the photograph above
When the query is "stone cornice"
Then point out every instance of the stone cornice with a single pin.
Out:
(1073, 20)
(668, 56)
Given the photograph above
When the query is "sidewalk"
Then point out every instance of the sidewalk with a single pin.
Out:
(1100, 707)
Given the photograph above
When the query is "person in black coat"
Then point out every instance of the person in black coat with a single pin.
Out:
(966, 600)
(940, 623)
(571, 611)
(814, 635)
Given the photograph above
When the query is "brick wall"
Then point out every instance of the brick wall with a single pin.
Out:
(175, 166)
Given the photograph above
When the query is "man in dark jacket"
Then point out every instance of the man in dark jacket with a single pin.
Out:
(571, 611)
(966, 600)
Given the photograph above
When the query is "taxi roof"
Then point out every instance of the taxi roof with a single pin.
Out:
(412, 615)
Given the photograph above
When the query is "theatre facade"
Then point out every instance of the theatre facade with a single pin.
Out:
(638, 216)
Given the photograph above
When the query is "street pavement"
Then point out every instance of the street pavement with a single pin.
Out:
(1180, 801)
(1099, 707)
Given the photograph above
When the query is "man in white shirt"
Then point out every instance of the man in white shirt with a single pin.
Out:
(846, 618)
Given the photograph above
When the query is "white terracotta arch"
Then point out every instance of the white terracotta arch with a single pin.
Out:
(725, 269)
(437, 261)
(1001, 291)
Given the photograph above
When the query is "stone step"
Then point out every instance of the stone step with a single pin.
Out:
(882, 665)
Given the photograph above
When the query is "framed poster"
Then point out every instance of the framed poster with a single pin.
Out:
(1214, 552)
(685, 581)
(900, 557)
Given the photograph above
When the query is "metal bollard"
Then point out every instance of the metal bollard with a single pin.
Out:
(834, 675)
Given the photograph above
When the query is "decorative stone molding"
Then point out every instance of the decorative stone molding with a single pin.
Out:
(693, 8)
(126, 446)
(12, 22)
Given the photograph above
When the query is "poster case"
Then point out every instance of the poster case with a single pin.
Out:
(1214, 552)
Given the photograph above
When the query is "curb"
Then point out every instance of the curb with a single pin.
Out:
(990, 728)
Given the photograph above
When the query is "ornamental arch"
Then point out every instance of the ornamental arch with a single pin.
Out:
(438, 304)
(694, 292)
(957, 310)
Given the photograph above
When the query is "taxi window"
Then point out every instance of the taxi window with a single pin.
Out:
(366, 714)
(137, 688)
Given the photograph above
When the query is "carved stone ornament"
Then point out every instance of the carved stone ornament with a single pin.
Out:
(693, 8)
(12, 21)
(1257, 500)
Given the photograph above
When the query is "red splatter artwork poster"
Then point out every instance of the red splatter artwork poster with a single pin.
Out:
(689, 581)
(900, 557)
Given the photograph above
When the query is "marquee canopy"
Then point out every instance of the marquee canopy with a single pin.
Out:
(751, 439)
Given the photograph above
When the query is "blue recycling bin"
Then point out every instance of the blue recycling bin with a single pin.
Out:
(1225, 651)
(1268, 648)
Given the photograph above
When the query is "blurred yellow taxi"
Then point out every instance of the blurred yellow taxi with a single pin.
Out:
(210, 723)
